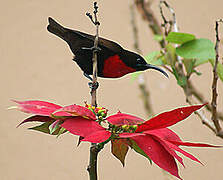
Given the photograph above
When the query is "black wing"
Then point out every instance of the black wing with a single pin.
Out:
(78, 39)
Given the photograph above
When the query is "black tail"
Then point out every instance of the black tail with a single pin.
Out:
(56, 28)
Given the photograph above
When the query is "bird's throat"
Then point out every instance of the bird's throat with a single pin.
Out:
(114, 67)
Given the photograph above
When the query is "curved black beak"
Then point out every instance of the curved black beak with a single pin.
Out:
(150, 66)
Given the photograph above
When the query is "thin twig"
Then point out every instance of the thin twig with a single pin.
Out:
(214, 84)
(201, 99)
(173, 22)
(172, 25)
(147, 14)
(145, 94)
(94, 150)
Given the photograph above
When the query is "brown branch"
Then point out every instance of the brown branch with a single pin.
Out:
(145, 94)
(201, 99)
(94, 150)
(147, 14)
(214, 85)
(172, 23)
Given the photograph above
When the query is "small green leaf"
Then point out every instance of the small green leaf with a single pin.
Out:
(61, 131)
(189, 65)
(119, 149)
(182, 81)
(170, 56)
(202, 49)
(198, 62)
(179, 38)
(158, 37)
(196, 72)
(154, 58)
(219, 69)
(139, 150)
(44, 127)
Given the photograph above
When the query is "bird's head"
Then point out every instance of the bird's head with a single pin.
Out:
(138, 62)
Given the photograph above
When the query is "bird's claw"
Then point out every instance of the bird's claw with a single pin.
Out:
(93, 86)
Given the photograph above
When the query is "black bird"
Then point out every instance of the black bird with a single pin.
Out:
(113, 60)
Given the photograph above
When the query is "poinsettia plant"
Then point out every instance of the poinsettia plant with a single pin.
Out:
(151, 139)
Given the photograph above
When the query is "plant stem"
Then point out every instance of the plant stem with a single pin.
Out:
(94, 150)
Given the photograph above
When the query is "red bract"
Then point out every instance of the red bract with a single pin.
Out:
(77, 110)
(153, 140)
(124, 119)
(77, 119)
(37, 107)
(87, 128)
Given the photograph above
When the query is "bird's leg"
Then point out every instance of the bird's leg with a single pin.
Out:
(92, 85)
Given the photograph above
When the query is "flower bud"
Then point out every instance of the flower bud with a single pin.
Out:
(103, 114)
(125, 127)
(134, 127)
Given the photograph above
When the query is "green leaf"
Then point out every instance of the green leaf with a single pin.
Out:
(202, 49)
(179, 38)
(119, 149)
(61, 131)
(170, 56)
(158, 37)
(139, 150)
(154, 58)
(198, 62)
(219, 69)
(44, 127)
(189, 65)
(181, 80)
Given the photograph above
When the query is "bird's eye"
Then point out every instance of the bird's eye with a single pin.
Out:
(139, 60)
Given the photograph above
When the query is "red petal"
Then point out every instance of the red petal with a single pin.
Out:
(80, 126)
(161, 135)
(192, 144)
(176, 148)
(129, 135)
(168, 118)
(98, 136)
(122, 119)
(37, 107)
(164, 133)
(37, 118)
(157, 153)
(77, 110)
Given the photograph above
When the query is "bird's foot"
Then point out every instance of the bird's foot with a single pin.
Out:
(93, 85)
(91, 48)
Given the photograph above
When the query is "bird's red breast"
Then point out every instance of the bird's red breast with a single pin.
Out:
(114, 67)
